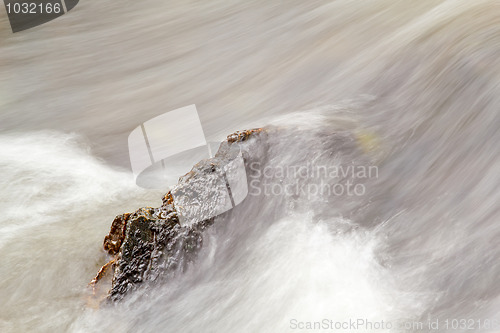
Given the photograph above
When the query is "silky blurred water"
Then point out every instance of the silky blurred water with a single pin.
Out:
(411, 87)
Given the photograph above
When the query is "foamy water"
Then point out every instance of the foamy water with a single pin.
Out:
(411, 88)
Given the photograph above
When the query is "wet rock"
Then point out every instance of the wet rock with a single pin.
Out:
(113, 241)
(150, 244)
(242, 135)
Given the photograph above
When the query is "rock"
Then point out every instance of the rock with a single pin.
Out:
(242, 135)
(150, 244)
(113, 241)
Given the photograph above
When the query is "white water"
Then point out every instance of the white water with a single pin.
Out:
(421, 244)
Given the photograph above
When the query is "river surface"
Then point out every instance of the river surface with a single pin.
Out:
(410, 87)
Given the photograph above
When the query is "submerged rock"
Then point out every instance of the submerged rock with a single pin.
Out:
(151, 244)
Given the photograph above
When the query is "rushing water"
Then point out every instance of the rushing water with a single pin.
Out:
(409, 87)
